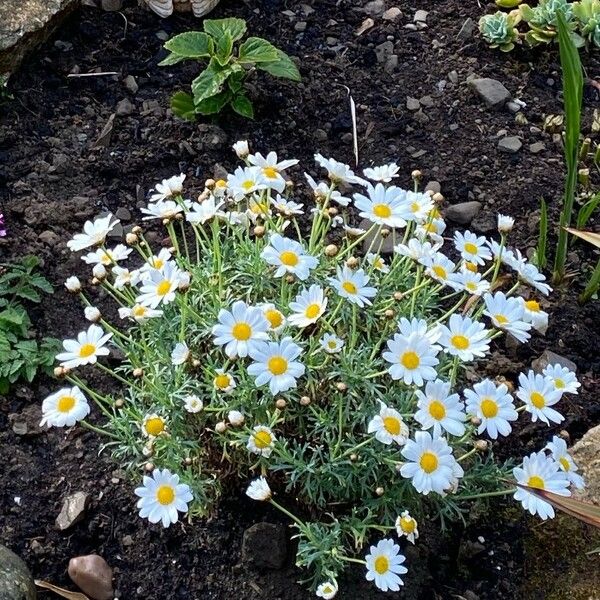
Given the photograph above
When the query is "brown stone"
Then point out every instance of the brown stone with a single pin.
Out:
(92, 574)
(586, 454)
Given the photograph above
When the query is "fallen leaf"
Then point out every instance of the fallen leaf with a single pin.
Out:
(61, 591)
(104, 137)
(365, 26)
(588, 236)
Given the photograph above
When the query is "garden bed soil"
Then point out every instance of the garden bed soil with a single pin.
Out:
(55, 173)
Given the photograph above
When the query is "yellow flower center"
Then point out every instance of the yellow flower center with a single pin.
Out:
(459, 341)
(535, 481)
(501, 319)
(471, 248)
(106, 258)
(274, 317)
(407, 524)
(158, 263)
(165, 495)
(262, 439)
(332, 344)
(410, 360)
(327, 589)
(383, 211)
(248, 184)
(87, 350)
(288, 258)
(414, 207)
(537, 399)
(270, 172)
(437, 410)
(277, 365)
(428, 462)
(564, 463)
(163, 288)
(381, 565)
(439, 271)
(430, 228)
(139, 310)
(471, 267)
(220, 183)
(154, 426)
(222, 381)
(392, 425)
(559, 384)
(312, 311)
(533, 305)
(260, 208)
(349, 287)
(471, 286)
(489, 408)
(65, 404)
(378, 263)
(241, 331)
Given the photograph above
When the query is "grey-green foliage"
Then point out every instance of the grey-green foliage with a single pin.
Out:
(587, 12)
(499, 30)
(221, 83)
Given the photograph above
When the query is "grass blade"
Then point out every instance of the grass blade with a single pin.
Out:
(587, 210)
(540, 254)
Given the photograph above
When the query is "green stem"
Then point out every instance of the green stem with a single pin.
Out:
(487, 494)
(592, 286)
(99, 430)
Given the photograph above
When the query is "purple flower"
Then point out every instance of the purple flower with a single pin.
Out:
(2, 230)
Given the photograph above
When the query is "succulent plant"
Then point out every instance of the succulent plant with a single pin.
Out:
(508, 3)
(587, 12)
(499, 30)
(543, 21)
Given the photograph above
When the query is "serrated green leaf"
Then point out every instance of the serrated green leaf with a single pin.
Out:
(13, 316)
(214, 104)
(209, 82)
(282, 67)
(28, 293)
(236, 81)
(182, 105)
(216, 27)
(190, 44)
(30, 262)
(242, 106)
(40, 282)
(256, 50)
(171, 59)
(224, 48)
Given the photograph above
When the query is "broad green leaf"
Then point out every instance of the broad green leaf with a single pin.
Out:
(224, 48)
(191, 44)
(282, 67)
(209, 82)
(30, 262)
(182, 105)
(171, 59)
(41, 283)
(216, 27)
(13, 316)
(214, 104)
(257, 50)
(242, 106)
(236, 81)
(28, 293)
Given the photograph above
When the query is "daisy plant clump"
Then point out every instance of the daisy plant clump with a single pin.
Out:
(270, 341)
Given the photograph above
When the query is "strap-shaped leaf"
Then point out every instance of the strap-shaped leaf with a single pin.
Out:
(233, 26)
(282, 67)
(182, 105)
(190, 44)
(210, 81)
(257, 50)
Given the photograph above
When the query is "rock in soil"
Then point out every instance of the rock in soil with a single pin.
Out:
(73, 510)
(16, 582)
(464, 212)
(551, 358)
(375, 242)
(510, 144)
(27, 422)
(586, 454)
(264, 545)
(92, 575)
(492, 92)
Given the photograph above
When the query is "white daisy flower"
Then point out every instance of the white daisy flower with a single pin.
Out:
(322, 190)
(94, 233)
(384, 565)
(440, 410)
(470, 282)
(507, 314)
(430, 466)
(202, 212)
(416, 206)
(431, 228)
(259, 208)
(223, 382)
(530, 275)
(309, 305)
(259, 490)
(438, 267)
(383, 206)
(180, 353)
(541, 472)
(245, 181)
(154, 425)
(532, 313)
(471, 247)
(86, 349)
(277, 320)
(336, 171)
(563, 379)
(413, 359)
(242, 149)
(407, 526)
(327, 590)
(99, 271)
(388, 426)
(464, 338)
(92, 313)
(287, 207)
(157, 261)
(261, 441)
(352, 285)
(160, 286)
(505, 224)
(163, 209)
(331, 343)
(236, 418)
(289, 257)
(505, 255)
(493, 405)
(558, 448)
(272, 169)
(73, 284)
(193, 404)
(168, 188)
(162, 497)
(384, 173)
(64, 408)
(139, 313)
(539, 395)
(421, 328)
(275, 363)
(107, 256)
(377, 262)
(416, 249)
(124, 277)
(240, 329)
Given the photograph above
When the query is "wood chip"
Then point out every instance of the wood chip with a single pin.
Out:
(365, 26)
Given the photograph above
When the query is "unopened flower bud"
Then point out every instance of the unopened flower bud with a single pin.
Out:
(166, 221)
(73, 284)
(188, 461)
(416, 174)
(353, 457)
(236, 418)
(99, 272)
(398, 296)
(92, 314)
(564, 434)
(149, 467)
(195, 363)
(341, 386)
(475, 421)
(437, 198)
(184, 282)
(119, 403)
(148, 450)
(280, 403)
(305, 401)
(209, 184)
(259, 231)
(204, 195)
(331, 250)
(242, 149)
(505, 224)
(131, 239)
(136, 229)
(289, 278)
(352, 262)
(389, 313)
(59, 372)
(289, 184)
(221, 427)
(95, 281)
(138, 372)
(385, 232)
(332, 211)
(379, 491)
(481, 445)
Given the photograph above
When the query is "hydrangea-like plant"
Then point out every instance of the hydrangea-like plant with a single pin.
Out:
(499, 29)
(587, 12)
(271, 340)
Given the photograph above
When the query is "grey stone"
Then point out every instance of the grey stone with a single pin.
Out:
(412, 103)
(492, 92)
(466, 31)
(16, 582)
(427, 101)
(391, 14)
(73, 510)
(383, 51)
(510, 144)
(213, 137)
(27, 422)
(484, 222)
(375, 241)
(124, 107)
(453, 77)
(537, 147)
(26, 24)
(391, 63)
(112, 5)
(131, 84)
(123, 214)
(264, 545)
(375, 8)
(49, 238)
(320, 135)
(586, 454)
(92, 574)
(433, 186)
(513, 107)
(300, 26)
(420, 16)
(464, 212)
(551, 358)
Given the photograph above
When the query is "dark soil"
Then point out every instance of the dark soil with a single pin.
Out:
(53, 176)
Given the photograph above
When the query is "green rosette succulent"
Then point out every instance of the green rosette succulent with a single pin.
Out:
(499, 30)
(587, 13)
(542, 20)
